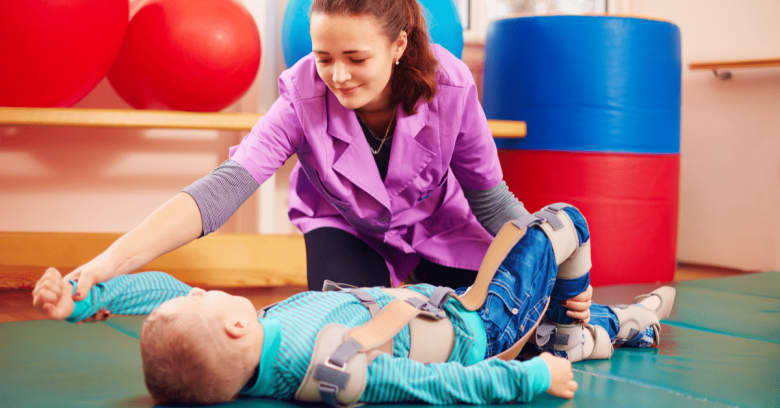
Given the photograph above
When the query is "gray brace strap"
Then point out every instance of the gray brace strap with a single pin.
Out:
(549, 214)
(332, 374)
(366, 299)
(527, 220)
(337, 371)
(433, 306)
(571, 339)
(544, 332)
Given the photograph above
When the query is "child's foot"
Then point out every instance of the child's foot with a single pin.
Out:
(640, 321)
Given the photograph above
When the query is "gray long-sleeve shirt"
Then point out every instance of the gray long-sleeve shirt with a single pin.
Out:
(220, 193)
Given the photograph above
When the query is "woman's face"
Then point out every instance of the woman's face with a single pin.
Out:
(355, 59)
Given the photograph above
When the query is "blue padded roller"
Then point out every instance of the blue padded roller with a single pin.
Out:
(586, 83)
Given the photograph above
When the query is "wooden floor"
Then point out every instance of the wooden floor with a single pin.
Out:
(16, 305)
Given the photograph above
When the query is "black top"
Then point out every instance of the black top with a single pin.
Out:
(382, 158)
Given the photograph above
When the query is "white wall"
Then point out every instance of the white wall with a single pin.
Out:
(730, 131)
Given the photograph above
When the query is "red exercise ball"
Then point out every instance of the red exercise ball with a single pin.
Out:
(195, 55)
(54, 52)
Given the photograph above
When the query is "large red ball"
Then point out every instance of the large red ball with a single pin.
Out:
(54, 52)
(196, 55)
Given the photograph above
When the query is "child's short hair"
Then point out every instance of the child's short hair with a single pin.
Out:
(186, 360)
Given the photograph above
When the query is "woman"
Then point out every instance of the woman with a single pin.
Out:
(398, 177)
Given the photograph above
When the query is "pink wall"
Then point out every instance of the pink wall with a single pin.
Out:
(80, 179)
(108, 180)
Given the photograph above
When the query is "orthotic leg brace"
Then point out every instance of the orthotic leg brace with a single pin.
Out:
(336, 373)
(572, 340)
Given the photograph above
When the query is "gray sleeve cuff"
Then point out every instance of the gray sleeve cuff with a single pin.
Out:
(220, 193)
(494, 207)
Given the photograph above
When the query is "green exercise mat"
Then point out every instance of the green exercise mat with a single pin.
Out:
(719, 348)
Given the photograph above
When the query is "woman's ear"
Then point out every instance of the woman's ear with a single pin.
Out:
(236, 328)
(400, 44)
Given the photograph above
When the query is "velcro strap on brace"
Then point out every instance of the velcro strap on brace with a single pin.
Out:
(431, 335)
(560, 229)
(366, 299)
(580, 342)
(432, 306)
(337, 371)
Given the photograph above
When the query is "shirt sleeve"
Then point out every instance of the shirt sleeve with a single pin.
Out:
(475, 157)
(494, 207)
(396, 379)
(220, 193)
(135, 294)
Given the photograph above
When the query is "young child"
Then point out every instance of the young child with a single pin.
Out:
(208, 346)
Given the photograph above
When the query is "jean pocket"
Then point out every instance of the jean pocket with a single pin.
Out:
(505, 316)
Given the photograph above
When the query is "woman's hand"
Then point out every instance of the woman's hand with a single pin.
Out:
(562, 384)
(95, 271)
(579, 306)
(51, 295)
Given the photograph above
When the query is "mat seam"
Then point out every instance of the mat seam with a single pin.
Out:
(713, 331)
(653, 386)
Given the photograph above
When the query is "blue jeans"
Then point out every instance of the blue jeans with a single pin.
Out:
(524, 283)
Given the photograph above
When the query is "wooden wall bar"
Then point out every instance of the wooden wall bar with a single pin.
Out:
(225, 260)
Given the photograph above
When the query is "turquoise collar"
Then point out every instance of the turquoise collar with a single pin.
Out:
(261, 384)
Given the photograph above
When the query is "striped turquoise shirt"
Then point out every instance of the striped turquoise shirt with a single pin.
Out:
(291, 327)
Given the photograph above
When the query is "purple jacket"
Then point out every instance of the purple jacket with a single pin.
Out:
(419, 210)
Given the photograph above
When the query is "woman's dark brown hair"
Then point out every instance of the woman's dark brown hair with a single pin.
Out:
(413, 79)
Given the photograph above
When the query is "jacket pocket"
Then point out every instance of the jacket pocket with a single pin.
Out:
(330, 197)
(429, 192)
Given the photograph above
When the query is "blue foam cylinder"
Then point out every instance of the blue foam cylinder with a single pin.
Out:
(442, 16)
(586, 83)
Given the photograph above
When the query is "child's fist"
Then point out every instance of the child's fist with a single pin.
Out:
(52, 295)
(562, 382)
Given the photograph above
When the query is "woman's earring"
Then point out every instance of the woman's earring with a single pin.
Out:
(397, 61)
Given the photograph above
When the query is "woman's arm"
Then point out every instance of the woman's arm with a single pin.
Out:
(173, 224)
(494, 207)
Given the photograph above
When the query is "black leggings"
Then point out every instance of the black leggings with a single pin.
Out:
(341, 257)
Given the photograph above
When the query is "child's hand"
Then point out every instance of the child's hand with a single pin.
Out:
(579, 306)
(562, 382)
(52, 295)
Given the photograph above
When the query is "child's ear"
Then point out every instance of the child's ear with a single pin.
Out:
(236, 328)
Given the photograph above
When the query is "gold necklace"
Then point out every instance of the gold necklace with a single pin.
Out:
(383, 140)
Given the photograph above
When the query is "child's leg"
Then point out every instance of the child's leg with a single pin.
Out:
(560, 334)
(523, 284)
(519, 291)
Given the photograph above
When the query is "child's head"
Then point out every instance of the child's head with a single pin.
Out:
(201, 348)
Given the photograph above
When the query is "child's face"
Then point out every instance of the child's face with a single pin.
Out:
(214, 303)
